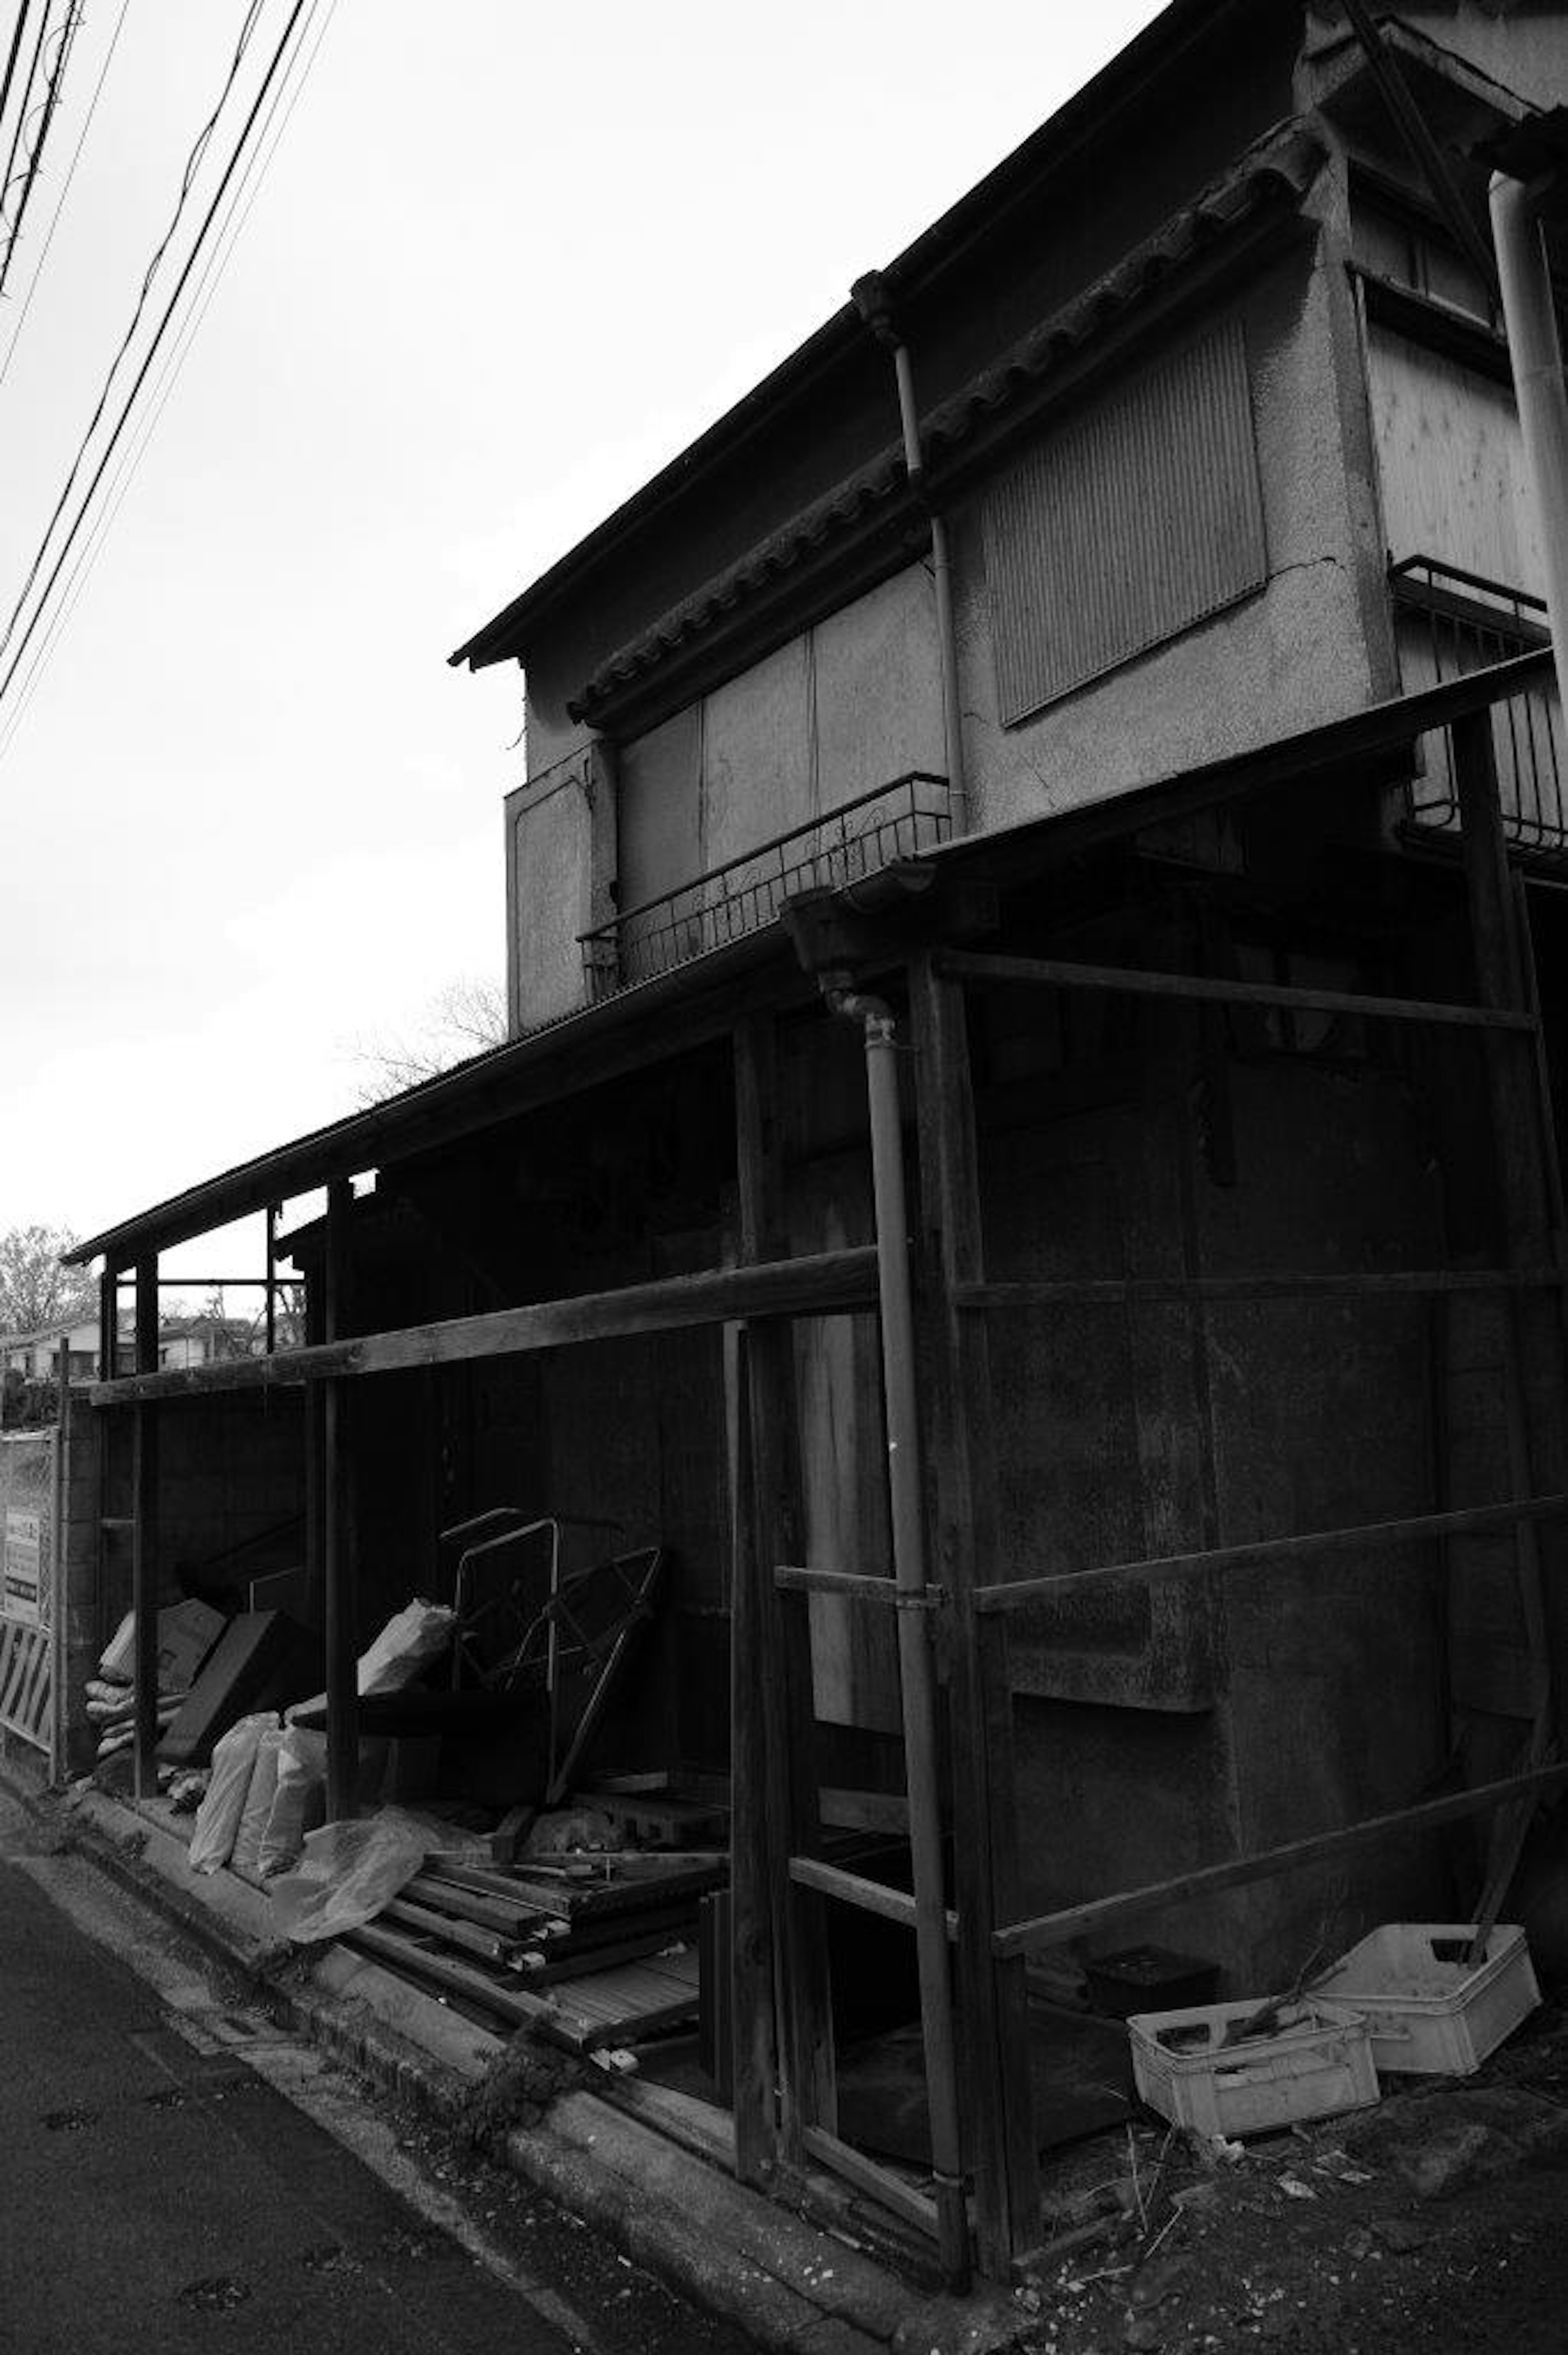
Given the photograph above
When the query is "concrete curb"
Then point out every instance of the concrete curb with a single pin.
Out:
(794, 2289)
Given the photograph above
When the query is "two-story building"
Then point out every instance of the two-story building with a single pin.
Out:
(1025, 1157)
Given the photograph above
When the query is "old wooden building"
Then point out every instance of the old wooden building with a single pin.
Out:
(1025, 1159)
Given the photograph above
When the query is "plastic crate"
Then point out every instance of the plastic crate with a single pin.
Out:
(1427, 2010)
(1317, 2063)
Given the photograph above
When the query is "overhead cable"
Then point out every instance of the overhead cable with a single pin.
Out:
(246, 192)
(18, 29)
(37, 278)
(35, 153)
(23, 111)
(41, 556)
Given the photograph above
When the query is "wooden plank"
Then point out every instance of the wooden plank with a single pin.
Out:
(144, 1541)
(854, 1889)
(517, 1921)
(889, 2191)
(1019, 1593)
(1119, 1291)
(1057, 972)
(407, 1914)
(853, 1586)
(817, 1284)
(1102, 1913)
(865, 1811)
(992, 1995)
(338, 1564)
(510, 2003)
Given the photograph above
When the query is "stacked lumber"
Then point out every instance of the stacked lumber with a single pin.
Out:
(589, 1952)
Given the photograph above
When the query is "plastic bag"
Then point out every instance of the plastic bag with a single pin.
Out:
(300, 1802)
(350, 1870)
(258, 1809)
(217, 1817)
(410, 1640)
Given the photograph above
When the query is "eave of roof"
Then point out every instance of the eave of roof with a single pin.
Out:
(1277, 170)
(495, 1085)
(975, 214)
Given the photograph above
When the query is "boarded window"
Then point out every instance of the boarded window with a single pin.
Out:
(1128, 525)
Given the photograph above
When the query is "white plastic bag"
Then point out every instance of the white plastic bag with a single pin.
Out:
(298, 1802)
(258, 1798)
(350, 1870)
(410, 1640)
(217, 1817)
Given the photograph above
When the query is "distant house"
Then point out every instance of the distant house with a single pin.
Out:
(37, 1357)
(203, 1340)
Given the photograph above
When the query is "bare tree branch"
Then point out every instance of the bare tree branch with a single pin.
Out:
(462, 1020)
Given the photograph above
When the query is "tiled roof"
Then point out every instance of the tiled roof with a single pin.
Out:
(1277, 170)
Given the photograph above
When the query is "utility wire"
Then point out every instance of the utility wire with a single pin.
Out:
(41, 556)
(65, 191)
(259, 163)
(17, 30)
(22, 112)
(74, 14)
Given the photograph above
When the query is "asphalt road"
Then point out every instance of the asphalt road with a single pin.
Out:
(176, 2174)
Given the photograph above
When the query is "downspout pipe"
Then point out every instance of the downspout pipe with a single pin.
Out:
(916, 1673)
(1535, 356)
(870, 297)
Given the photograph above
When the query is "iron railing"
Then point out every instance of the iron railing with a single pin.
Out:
(899, 820)
(1447, 622)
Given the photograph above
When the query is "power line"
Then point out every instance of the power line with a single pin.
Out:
(65, 191)
(25, 108)
(259, 163)
(191, 165)
(20, 26)
(36, 152)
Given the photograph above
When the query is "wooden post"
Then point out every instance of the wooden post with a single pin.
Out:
(774, 1725)
(144, 1538)
(1533, 1370)
(992, 1993)
(334, 1507)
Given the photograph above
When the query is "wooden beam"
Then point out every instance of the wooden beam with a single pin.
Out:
(992, 1997)
(338, 1561)
(1125, 981)
(889, 2191)
(1101, 1913)
(853, 1586)
(820, 1284)
(1110, 1291)
(1467, 1520)
(144, 1547)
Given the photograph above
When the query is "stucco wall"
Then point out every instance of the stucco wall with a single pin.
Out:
(560, 856)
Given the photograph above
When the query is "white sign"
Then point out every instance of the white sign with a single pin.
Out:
(23, 1554)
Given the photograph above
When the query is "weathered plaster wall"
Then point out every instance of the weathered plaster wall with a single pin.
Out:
(1286, 658)
(560, 860)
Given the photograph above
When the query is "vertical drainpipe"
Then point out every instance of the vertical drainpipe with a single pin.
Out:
(1535, 356)
(917, 1674)
(869, 295)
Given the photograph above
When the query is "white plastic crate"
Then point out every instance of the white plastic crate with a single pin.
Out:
(1317, 2063)
(1427, 2011)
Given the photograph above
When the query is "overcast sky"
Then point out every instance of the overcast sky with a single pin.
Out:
(507, 261)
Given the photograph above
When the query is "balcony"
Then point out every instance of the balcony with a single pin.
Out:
(1448, 622)
(900, 820)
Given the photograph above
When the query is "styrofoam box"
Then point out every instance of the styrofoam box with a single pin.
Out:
(1427, 2011)
(1317, 2063)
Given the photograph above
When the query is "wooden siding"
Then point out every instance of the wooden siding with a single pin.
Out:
(1128, 525)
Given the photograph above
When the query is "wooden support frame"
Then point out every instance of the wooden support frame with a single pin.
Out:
(1100, 1914)
(774, 1730)
(992, 1997)
(1129, 981)
(337, 1528)
(144, 1542)
(811, 1283)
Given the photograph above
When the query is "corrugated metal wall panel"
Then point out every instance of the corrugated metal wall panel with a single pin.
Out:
(1128, 525)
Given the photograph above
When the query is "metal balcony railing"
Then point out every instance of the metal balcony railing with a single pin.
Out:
(1449, 622)
(899, 820)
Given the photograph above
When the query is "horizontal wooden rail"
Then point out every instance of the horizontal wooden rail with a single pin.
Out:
(1050, 1292)
(1055, 972)
(897, 2195)
(1107, 1912)
(820, 1284)
(853, 1586)
(851, 1889)
(1018, 1594)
